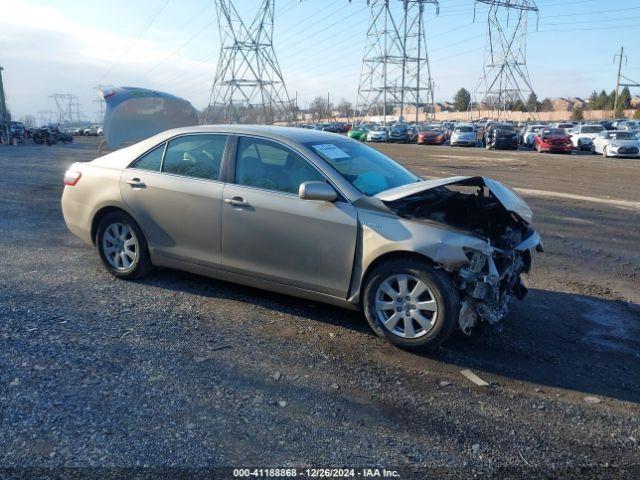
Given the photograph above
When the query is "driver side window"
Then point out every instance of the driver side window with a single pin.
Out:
(271, 166)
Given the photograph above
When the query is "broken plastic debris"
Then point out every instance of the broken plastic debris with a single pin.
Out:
(474, 378)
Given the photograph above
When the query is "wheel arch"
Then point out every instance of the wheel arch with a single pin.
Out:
(100, 214)
(388, 257)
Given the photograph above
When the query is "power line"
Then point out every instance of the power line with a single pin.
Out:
(152, 19)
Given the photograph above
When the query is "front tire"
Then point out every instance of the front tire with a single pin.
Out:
(411, 304)
(122, 247)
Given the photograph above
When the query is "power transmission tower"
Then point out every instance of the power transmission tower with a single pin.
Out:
(46, 116)
(5, 119)
(100, 102)
(631, 83)
(505, 77)
(395, 66)
(248, 85)
(68, 107)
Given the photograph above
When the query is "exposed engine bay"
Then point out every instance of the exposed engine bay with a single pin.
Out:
(488, 281)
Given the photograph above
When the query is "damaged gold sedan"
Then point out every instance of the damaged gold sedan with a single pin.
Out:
(310, 214)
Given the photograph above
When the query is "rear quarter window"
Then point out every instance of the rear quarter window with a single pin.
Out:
(151, 160)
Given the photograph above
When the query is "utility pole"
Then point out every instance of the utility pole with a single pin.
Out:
(5, 119)
(629, 83)
(617, 95)
(328, 112)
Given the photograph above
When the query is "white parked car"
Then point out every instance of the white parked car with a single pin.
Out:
(91, 131)
(528, 138)
(582, 136)
(617, 143)
(463, 134)
(563, 125)
(378, 134)
(630, 125)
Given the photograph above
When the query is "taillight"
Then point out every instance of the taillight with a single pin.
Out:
(71, 177)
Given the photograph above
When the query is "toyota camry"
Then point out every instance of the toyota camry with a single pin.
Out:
(311, 214)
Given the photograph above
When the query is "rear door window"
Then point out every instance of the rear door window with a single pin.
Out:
(197, 156)
(152, 160)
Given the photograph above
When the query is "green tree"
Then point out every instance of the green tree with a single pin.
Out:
(532, 103)
(624, 101)
(611, 98)
(636, 115)
(601, 101)
(546, 105)
(519, 106)
(462, 100)
(593, 100)
(577, 114)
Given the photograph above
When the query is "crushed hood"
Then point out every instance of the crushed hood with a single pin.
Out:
(510, 200)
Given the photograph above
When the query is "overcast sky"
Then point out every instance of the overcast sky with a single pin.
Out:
(71, 46)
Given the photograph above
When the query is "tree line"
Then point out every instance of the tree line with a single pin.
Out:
(597, 101)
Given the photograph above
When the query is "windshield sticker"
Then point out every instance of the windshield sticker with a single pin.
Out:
(331, 151)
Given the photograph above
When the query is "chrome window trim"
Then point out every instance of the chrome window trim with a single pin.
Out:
(166, 143)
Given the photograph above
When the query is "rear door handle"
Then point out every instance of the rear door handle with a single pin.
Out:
(236, 201)
(136, 183)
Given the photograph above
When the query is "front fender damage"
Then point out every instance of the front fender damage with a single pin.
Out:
(486, 270)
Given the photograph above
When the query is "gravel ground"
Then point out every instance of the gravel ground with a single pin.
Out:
(180, 370)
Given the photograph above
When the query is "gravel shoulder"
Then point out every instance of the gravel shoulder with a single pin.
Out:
(180, 370)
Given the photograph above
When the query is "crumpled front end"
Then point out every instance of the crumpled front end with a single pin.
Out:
(489, 281)
(499, 223)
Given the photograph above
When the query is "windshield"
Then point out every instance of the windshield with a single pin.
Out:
(502, 126)
(367, 169)
(592, 129)
(399, 128)
(622, 136)
(464, 129)
(554, 131)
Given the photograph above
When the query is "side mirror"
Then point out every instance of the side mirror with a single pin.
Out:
(317, 191)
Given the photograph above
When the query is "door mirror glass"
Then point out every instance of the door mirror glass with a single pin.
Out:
(317, 191)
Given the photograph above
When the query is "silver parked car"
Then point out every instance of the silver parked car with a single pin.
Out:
(463, 134)
(616, 143)
(311, 214)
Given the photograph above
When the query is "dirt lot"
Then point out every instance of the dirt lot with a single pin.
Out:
(179, 370)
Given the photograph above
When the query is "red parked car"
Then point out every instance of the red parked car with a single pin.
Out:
(430, 136)
(553, 140)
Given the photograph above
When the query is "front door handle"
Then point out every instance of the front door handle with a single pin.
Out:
(236, 201)
(136, 183)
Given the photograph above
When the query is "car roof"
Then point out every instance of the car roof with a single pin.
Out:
(282, 133)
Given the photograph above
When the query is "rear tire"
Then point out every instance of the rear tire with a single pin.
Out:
(122, 246)
(411, 311)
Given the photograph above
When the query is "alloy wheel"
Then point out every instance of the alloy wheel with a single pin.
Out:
(120, 246)
(406, 306)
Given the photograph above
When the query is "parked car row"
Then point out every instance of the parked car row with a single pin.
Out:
(334, 127)
(88, 131)
(559, 137)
